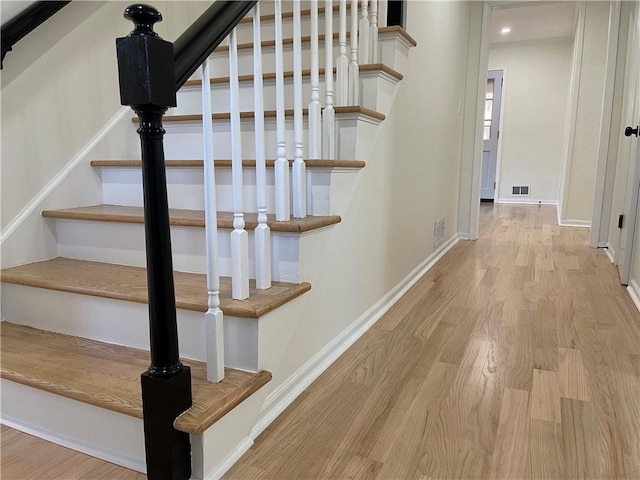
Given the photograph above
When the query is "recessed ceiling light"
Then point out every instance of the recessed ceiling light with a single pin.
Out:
(505, 30)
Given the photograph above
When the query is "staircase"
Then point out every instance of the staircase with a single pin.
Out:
(75, 333)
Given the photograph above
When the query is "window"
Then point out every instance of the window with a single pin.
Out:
(488, 108)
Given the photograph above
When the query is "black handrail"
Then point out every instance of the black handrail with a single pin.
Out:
(151, 70)
(205, 34)
(25, 22)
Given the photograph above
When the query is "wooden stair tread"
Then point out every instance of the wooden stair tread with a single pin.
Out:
(372, 67)
(267, 114)
(307, 39)
(397, 29)
(189, 218)
(226, 163)
(108, 376)
(123, 282)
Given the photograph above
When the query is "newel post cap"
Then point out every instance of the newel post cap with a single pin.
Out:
(145, 62)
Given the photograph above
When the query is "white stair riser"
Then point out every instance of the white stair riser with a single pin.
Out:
(124, 244)
(185, 187)
(124, 323)
(190, 98)
(101, 433)
(184, 141)
(220, 60)
(391, 53)
(377, 91)
(245, 30)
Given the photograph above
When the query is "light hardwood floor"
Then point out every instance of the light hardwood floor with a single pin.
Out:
(517, 356)
(28, 458)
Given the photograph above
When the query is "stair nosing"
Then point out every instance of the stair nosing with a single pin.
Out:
(247, 115)
(226, 163)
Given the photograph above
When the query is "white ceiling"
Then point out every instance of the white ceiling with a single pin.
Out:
(533, 21)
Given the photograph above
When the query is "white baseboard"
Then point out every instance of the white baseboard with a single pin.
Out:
(224, 466)
(278, 400)
(567, 222)
(634, 292)
(575, 223)
(60, 176)
(464, 236)
(609, 252)
(527, 201)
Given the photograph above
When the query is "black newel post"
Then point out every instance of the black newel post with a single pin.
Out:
(147, 85)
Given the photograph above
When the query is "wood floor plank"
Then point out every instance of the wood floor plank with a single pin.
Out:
(580, 439)
(545, 396)
(546, 456)
(511, 452)
(546, 337)
(406, 451)
(571, 375)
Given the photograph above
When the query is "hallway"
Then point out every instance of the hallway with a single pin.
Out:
(516, 356)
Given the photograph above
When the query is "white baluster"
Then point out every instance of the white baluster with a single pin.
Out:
(342, 63)
(239, 236)
(315, 122)
(373, 33)
(213, 317)
(363, 37)
(262, 231)
(383, 8)
(328, 114)
(299, 171)
(354, 68)
(281, 167)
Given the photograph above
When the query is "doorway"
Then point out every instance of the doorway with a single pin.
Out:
(628, 170)
(491, 134)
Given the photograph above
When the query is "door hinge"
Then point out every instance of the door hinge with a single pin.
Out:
(620, 221)
(494, 185)
(498, 135)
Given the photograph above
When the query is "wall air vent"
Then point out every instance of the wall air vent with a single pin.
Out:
(438, 231)
(521, 190)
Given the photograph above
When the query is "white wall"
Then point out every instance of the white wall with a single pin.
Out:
(59, 89)
(472, 113)
(583, 145)
(411, 180)
(534, 98)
